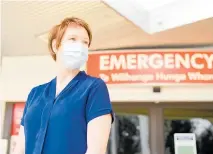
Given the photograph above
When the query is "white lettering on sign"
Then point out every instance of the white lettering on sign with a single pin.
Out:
(156, 61)
(169, 61)
(185, 61)
(128, 77)
(118, 63)
(209, 60)
(142, 61)
(195, 63)
(131, 61)
(170, 77)
(199, 76)
(104, 62)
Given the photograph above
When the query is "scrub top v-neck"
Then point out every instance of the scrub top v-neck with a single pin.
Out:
(55, 125)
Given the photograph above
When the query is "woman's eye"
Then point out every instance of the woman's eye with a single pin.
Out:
(86, 42)
(73, 39)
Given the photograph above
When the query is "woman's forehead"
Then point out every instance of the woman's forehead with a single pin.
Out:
(76, 30)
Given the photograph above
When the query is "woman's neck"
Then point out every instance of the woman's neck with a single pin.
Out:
(66, 75)
(63, 78)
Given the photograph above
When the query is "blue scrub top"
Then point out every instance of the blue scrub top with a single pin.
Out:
(59, 125)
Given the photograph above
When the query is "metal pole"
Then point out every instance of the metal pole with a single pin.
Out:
(114, 139)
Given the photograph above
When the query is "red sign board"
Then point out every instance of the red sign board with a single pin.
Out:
(152, 66)
(18, 109)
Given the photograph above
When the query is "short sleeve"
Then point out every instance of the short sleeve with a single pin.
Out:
(29, 98)
(98, 102)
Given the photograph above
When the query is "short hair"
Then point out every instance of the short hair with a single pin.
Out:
(57, 32)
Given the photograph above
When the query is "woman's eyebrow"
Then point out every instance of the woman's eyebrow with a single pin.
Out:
(72, 35)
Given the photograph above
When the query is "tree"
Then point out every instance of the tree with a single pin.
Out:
(206, 142)
(129, 140)
(177, 126)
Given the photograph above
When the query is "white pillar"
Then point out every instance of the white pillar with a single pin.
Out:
(3, 146)
(0, 36)
(1, 97)
(144, 134)
(3, 142)
(2, 117)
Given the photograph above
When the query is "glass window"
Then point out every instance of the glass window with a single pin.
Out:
(199, 122)
(132, 134)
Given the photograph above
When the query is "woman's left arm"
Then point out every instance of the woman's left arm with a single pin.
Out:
(98, 134)
(99, 116)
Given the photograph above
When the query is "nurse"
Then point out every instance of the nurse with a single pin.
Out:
(72, 113)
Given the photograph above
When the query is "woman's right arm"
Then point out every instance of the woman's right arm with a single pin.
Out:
(20, 142)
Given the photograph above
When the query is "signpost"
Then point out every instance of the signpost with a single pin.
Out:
(152, 67)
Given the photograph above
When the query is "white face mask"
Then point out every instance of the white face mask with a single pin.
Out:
(74, 55)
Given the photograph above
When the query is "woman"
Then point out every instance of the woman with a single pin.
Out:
(71, 114)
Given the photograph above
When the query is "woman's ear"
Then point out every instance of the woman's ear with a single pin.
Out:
(54, 46)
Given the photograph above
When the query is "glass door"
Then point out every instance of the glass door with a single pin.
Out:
(197, 121)
(130, 132)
